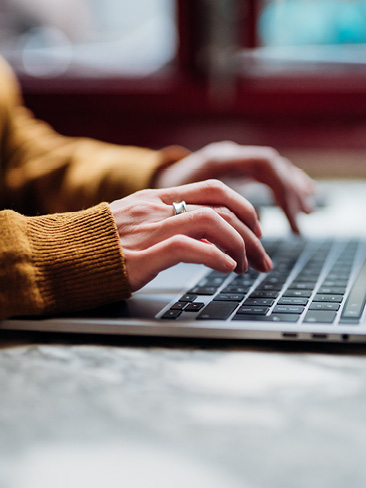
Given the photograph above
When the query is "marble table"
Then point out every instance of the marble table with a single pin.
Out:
(79, 414)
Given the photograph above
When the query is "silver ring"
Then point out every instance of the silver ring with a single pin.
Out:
(180, 207)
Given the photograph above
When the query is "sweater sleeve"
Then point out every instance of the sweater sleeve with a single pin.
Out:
(67, 258)
(60, 263)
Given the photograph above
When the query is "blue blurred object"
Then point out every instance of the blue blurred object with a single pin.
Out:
(312, 22)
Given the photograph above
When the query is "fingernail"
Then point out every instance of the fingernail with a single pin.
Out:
(267, 261)
(246, 265)
(258, 230)
(309, 204)
(230, 263)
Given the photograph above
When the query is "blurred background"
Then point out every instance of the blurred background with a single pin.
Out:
(286, 73)
(48, 37)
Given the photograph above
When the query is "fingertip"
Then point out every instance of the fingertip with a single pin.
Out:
(293, 224)
(230, 264)
(242, 269)
(258, 230)
(267, 261)
(309, 205)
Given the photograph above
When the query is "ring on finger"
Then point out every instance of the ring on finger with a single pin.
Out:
(179, 207)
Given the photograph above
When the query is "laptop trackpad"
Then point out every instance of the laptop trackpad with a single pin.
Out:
(147, 302)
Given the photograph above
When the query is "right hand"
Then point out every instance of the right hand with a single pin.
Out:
(292, 189)
(220, 230)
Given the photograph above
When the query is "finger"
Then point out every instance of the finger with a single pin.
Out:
(294, 196)
(306, 191)
(301, 186)
(204, 223)
(214, 192)
(288, 189)
(143, 266)
(256, 254)
(290, 206)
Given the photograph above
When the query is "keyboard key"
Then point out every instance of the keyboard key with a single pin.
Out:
(194, 307)
(188, 297)
(337, 277)
(331, 283)
(321, 316)
(264, 294)
(298, 293)
(253, 310)
(324, 306)
(283, 317)
(203, 290)
(293, 301)
(296, 309)
(217, 311)
(171, 314)
(236, 289)
(212, 281)
(213, 274)
(332, 290)
(262, 302)
(310, 277)
(267, 318)
(328, 298)
(243, 281)
(273, 280)
(178, 306)
(302, 285)
(271, 286)
(229, 297)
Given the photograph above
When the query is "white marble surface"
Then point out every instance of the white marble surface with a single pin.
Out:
(90, 415)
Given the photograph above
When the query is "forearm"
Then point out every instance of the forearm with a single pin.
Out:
(60, 263)
(46, 172)
(42, 171)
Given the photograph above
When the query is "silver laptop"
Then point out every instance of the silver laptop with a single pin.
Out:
(315, 292)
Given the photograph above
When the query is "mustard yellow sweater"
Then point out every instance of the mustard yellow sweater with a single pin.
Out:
(59, 247)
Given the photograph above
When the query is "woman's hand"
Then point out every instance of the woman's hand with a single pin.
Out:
(220, 230)
(291, 187)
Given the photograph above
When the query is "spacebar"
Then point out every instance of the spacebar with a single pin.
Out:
(356, 300)
(217, 311)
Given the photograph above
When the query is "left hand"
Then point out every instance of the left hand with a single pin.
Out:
(291, 187)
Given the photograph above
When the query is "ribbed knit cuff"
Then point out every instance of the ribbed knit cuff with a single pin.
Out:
(78, 259)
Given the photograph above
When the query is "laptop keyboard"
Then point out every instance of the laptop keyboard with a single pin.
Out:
(312, 281)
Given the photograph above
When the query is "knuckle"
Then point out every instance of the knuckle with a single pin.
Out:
(212, 148)
(225, 213)
(204, 215)
(178, 243)
(216, 187)
(145, 193)
(271, 153)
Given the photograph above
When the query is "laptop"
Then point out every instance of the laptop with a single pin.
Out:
(315, 292)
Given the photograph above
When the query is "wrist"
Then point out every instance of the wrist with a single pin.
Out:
(187, 170)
